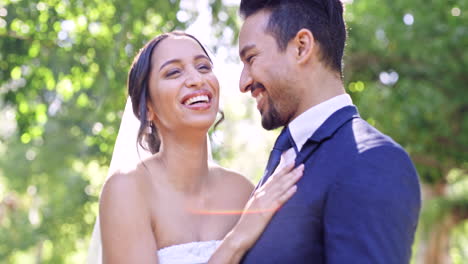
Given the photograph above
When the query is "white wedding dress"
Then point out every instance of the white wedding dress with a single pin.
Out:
(189, 253)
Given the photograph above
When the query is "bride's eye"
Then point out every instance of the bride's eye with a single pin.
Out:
(172, 73)
(204, 67)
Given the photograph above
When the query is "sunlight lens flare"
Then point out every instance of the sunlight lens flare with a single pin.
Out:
(230, 212)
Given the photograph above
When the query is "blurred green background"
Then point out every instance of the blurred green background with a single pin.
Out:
(63, 69)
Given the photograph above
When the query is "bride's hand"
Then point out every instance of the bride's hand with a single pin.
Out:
(263, 204)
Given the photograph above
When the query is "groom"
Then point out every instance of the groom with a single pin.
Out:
(359, 198)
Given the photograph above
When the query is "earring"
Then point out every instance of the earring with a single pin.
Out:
(150, 128)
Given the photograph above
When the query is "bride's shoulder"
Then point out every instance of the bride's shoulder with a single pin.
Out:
(120, 180)
(128, 178)
(231, 179)
(123, 188)
(120, 205)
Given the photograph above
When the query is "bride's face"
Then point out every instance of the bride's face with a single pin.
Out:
(183, 89)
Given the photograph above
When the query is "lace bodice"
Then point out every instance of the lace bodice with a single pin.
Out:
(189, 253)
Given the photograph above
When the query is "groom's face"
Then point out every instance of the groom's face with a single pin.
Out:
(267, 72)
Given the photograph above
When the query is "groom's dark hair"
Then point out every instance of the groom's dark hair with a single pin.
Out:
(324, 18)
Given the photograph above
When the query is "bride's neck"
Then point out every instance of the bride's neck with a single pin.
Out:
(185, 159)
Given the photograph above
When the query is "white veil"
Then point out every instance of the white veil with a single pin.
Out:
(125, 156)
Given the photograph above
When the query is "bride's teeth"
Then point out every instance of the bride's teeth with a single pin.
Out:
(199, 98)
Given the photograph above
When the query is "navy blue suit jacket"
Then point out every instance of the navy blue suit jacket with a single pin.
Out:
(358, 201)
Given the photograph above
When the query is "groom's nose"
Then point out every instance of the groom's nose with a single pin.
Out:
(245, 81)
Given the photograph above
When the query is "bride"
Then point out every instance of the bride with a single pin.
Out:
(175, 206)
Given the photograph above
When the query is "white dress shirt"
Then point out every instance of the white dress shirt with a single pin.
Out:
(303, 126)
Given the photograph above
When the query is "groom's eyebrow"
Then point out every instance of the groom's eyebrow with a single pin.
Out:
(245, 50)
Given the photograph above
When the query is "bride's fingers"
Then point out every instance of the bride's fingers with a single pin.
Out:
(281, 199)
(296, 174)
(277, 192)
(283, 171)
(288, 188)
(285, 196)
(282, 183)
(280, 174)
(287, 168)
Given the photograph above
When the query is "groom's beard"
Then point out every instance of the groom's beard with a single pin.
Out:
(271, 119)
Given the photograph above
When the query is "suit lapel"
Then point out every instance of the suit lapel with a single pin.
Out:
(326, 131)
(322, 134)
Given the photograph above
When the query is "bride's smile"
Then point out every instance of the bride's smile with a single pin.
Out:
(197, 100)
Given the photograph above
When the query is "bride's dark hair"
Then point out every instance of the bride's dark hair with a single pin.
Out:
(138, 90)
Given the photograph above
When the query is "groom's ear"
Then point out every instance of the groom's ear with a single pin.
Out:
(304, 45)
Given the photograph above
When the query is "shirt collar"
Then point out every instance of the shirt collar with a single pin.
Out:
(303, 126)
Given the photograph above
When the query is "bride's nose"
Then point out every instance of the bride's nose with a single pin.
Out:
(194, 78)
